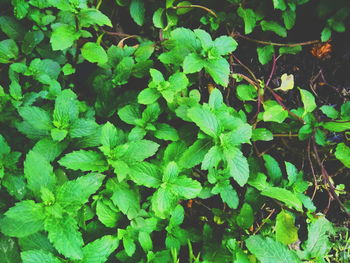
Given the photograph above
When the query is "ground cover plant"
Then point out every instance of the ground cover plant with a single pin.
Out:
(174, 131)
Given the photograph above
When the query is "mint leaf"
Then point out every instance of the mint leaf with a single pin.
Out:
(38, 119)
(225, 45)
(137, 11)
(273, 168)
(249, 19)
(342, 153)
(125, 198)
(274, 27)
(308, 100)
(241, 134)
(163, 201)
(262, 134)
(148, 96)
(318, 243)
(66, 109)
(63, 36)
(38, 256)
(23, 219)
(8, 51)
(193, 63)
(99, 250)
(146, 174)
(9, 252)
(286, 231)
(75, 193)
(91, 16)
(137, 151)
(274, 113)
(237, 165)
(329, 111)
(269, 251)
(245, 218)
(186, 187)
(284, 196)
(107, 213)
(94, 53)
(227, 193)
(64, 235)
(265, 54)
(84, 161)
(205, 120)
(219, 70)
(39, 173)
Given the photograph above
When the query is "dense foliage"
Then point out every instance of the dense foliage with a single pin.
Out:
(130, 131)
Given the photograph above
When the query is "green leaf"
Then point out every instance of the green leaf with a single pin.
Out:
(279, 4)
(204, 38)
(329, 111)
(237, 165)
(158, 18)
(23, 219)
(249, 19)
(273, 168)
(31, 40)
(212, 158)
(38, 256)
(205, 120)
(290, 50)
(227, 193)
(186, 38)
(8, 51)
(245, 218)
(91, 16)
(110, 136)
(63, 36)
(219, 70)
(137, 11)
(326, 34)
(186, 187)
(284, 196)
(37, 118)
(125, 198)
(148, 96)
(49, 149)
(130, 114)
(9, 252)
(107, 213)
(262, 134)
(12, 27)
(318, 244)
(75, 193)
(83, 127)
(39, 173)
(274, 113)
(166, 132)
(286, 231)
(58, 134)
(66, 109)
(336, 126)
(84, 161)
(274, 27)
(289, 17)
(64, 235)
(145, 241)
(225, 45)
(36, 241)
(139, 150)
(342, 153)
(246, 92)
(94, 53)
(241, 134)
(163, 202)
(146, 174)
(269, 251)
(99, 250)
(308, 100)
(193, 63)
(265, 54)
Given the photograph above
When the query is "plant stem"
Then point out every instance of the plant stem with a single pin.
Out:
(196, 6)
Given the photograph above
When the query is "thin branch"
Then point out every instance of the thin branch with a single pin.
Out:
(276, 44)
(196, 6)
(312, 170)
(118, 34)
(330, 188)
